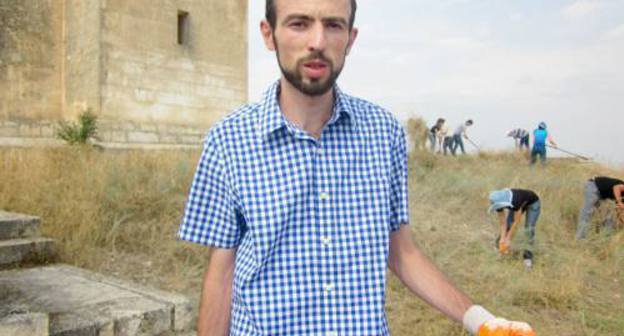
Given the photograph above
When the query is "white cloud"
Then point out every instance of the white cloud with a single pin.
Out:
(615, 33)
(580, 9)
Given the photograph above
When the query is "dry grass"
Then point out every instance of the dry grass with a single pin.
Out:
(117, 212)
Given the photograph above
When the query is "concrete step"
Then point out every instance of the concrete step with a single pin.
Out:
(14, 225)
(25, 251)
(25, 324)
(80, 302)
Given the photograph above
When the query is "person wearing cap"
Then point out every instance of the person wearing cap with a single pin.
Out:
(540, 137)
(598, 189)
(521, 138)
(516, 202)
(459, 135)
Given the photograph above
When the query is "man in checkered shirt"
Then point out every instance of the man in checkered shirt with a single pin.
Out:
(303, 198)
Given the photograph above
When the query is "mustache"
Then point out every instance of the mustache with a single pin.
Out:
(316, 55)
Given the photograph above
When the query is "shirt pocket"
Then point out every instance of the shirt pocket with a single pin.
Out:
(371, 223)
(270, 209)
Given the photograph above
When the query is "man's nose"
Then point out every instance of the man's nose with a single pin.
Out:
(317, 40)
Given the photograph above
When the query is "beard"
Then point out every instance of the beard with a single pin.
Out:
(314, 87)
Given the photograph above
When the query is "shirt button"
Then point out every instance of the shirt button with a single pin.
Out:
(326, 241)
(324, 196)
(329, 287)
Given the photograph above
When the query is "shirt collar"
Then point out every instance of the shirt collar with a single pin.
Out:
(271, 117)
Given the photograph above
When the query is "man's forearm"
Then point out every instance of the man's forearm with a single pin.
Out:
(502, 221)
(517, 216)
(424, 279)
(617, 193)
(216, 299)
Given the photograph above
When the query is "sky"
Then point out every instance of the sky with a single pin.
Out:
(503, 63)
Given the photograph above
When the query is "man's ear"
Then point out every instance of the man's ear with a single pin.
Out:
(352, 36)
(267, 35)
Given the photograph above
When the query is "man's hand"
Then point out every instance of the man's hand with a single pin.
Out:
(503, 245)
(502, 327)
(480, 322)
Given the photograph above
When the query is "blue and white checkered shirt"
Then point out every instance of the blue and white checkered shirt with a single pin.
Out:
(310, 217)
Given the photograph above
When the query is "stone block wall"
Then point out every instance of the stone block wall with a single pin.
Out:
(122, 61)
(30, 60)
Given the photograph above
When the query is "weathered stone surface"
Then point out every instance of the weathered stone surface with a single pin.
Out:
(142, 137)
(25, 250)
(122, 61)
(181, 307)
(13, 225)
(27, 324)
(80, 302)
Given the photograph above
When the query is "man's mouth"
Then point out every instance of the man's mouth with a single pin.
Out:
(315, 69)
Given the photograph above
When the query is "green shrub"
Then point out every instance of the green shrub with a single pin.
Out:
(78, 133)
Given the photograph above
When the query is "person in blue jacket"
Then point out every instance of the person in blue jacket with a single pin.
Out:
(540, 137)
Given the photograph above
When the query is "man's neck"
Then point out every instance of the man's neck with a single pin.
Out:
(310, 113)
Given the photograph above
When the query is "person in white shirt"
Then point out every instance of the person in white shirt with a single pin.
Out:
(459, 135)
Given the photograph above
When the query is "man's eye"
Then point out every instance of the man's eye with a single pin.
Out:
(334, 25)
(297, 24)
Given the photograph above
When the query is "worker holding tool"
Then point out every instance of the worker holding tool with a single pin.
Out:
(540, 137)
(517, 202)
(521, 138)
(459, 135)
(598, 189)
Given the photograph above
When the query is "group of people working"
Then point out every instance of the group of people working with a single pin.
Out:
(541, 140)
(441, 141)
(511, 204)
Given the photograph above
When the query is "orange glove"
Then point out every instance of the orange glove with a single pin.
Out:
(502, 327)
(480, 322)
(503, 248)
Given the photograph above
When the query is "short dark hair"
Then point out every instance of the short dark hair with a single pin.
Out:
(270, 13)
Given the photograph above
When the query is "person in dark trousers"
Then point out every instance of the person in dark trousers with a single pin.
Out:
(459, 135)
(540, 138)
(516, 202)
(598, 189)
(447, 144)
(521, 138)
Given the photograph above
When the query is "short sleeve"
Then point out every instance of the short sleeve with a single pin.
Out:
(398, 182)
(210, 216)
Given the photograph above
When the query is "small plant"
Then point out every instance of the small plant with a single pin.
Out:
(79, 133)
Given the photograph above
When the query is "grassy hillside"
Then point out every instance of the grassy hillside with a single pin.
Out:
(117, 212)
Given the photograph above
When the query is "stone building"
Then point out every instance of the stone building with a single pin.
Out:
(155, 72)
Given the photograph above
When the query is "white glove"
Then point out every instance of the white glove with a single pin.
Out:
(480, 322)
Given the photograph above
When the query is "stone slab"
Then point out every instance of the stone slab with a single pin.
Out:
(81, 302)
(181, 306)
(25, 250)
(26, 324)
(14, 225)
